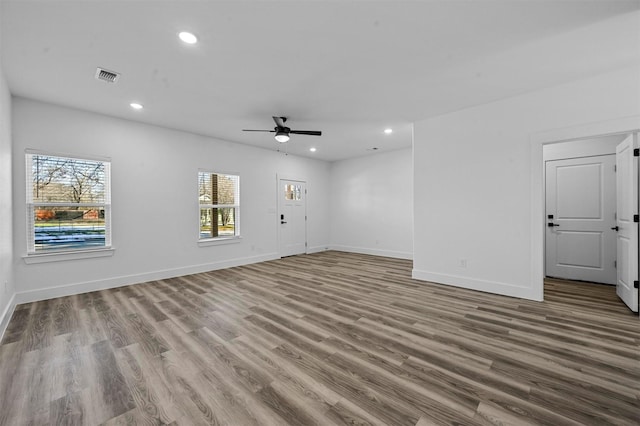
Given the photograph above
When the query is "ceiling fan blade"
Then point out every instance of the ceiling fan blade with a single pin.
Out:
(306, 132)
(251, 130)
(279, 121)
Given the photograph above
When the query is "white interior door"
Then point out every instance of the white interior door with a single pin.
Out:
(627, 238)
(580, 205)
(292, 217)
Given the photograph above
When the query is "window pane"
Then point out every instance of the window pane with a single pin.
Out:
(204, 188)
(226, 221)
(206, 228)
(217, 189)
(69, 227)
(67, 180)
(292, 192)
(217, 222)
(227, 189)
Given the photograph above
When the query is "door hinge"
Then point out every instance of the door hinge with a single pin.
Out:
(305, 217)
(635, 218)
(305, 243)
(615, 264)
(615, 168)
(636, 152)
(635, 284)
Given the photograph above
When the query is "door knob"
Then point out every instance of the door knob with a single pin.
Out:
(616, 228)
(551, 224)
(282, 221)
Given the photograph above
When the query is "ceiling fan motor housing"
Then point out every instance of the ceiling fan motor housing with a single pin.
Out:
(283, 133)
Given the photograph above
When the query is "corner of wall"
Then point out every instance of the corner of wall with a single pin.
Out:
(359, 188)
(6, 315)
(317, 249)
(7, 288)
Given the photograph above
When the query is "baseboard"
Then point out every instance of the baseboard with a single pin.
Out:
(486, 286)
(317, 249)
(5, 317)
(78, 288)
(374, 252)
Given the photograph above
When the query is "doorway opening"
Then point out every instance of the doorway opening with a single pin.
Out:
(588, 208)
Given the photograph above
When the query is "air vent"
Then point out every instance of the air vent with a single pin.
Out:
(108, 76)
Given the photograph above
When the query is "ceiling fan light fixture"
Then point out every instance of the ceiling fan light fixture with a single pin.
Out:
(282, 137)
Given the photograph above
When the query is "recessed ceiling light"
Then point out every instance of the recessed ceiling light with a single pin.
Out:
(188, 38)
(388, 131)
(312, 149)
(135, 105)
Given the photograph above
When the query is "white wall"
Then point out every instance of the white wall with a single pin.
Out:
(6, 236)
(154, 199)
(371, 200)
(473, 181)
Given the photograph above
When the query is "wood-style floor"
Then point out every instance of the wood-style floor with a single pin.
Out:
(322, 339)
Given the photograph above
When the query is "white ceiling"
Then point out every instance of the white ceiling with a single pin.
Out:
(348, 68)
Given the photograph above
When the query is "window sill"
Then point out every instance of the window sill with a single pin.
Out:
(219, 241)
(68, 255)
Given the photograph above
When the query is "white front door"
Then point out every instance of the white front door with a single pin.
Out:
(627, 206)
(292, 217)
(580, 206)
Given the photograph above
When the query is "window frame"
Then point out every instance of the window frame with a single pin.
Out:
(221, 239)
(31, 205)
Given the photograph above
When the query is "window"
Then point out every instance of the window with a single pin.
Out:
(219, 200)
(292, 192)
(68, 204)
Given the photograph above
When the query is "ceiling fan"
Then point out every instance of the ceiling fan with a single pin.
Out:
(282, 132)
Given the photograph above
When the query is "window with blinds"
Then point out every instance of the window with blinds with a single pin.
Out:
(68, 203)
(219, 200)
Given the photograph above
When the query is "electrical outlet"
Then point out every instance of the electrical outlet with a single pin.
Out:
(6, 286)
(463, 263)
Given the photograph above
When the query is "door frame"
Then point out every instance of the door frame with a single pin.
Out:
(278, 213)
(537, 141)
